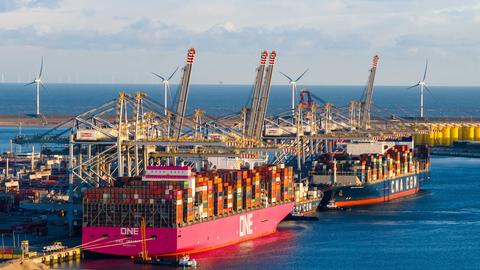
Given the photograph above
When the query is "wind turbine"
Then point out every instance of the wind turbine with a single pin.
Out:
(423, 87)
(166, 87)
(38, 82)
(293, 83)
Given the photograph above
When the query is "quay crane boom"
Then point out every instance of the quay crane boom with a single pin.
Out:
(183, 95)
(367, 96)
(265, 93)
(253, 110)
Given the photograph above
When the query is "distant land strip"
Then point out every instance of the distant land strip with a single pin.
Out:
(26, 120)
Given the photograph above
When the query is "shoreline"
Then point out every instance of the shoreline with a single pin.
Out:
(26, 120)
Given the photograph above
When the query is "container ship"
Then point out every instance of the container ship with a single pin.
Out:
(370, 173)
(186, 212)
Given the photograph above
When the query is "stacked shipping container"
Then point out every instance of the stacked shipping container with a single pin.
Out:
(175, 203)
(398, 160)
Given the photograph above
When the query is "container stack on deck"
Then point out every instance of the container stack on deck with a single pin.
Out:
(212, 194)
(398, 160)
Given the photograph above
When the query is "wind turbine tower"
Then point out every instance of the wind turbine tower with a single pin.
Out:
(293, 83)
(421, 84)
(166, 88)
(38, 82)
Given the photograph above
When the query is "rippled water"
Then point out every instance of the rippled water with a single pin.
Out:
(226, 99)
(437, 229)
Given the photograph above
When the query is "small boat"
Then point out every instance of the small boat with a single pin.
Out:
(184, 261)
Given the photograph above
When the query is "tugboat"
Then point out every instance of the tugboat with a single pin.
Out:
(143, 257)
(184, 261)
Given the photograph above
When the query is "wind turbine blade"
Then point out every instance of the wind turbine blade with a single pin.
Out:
(29, 83)
(163, 79)
(299, 77)
(41, 69)
(428, 89)
(286, 76)
(425, 73)
(43, 86)
(413, 86)
(173, 73)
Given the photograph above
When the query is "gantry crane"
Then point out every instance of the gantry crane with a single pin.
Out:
(367, 96)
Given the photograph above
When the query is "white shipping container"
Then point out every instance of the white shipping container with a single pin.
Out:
(87, 135)
(273, 132)
(290, 130)
(214, 136)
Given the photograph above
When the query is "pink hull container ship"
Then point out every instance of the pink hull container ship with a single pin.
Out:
(186, 212)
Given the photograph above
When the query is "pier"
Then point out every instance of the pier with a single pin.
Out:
(35, 260)
(59, 256)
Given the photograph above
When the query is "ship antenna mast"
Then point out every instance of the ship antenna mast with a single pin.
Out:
(144, 239)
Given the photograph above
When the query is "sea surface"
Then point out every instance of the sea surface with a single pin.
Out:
(436, 229)
(226, 99)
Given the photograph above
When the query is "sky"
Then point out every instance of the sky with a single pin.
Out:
(122, 41)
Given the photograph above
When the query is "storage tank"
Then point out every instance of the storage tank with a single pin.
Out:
(418, 139)
(438, 136)
(477, 133)
(470, 133)
(454, 136)
(425, 138)
(464, 133)
(446, 136)
(431, 137)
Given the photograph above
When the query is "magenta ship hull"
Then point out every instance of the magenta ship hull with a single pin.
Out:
(192, 238)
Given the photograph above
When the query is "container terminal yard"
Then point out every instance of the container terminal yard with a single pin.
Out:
(133, 176)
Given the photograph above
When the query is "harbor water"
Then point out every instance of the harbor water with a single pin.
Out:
(439, 228)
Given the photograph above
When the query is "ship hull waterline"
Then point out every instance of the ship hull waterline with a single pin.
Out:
(375, 192)
(194, 238)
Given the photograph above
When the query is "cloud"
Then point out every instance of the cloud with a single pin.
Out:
(351, 30)
(11, 5)
(43, 3)
(8, 5)
(436, 41)
(149, 34)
